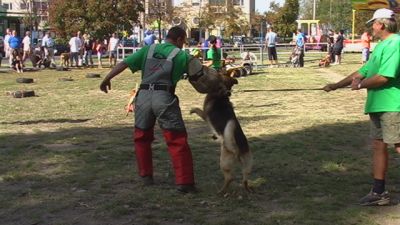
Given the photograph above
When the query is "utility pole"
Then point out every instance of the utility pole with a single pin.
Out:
(200, 20)
(313, 16)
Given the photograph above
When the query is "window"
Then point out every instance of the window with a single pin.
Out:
(237, 2)
(24, 6)
(195, 2)
(216, 2)
(7, 6)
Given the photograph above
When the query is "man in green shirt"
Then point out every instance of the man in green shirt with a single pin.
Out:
(381, 77)
(162, 66)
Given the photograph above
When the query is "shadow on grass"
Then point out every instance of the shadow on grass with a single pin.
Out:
(88, 176)
(27, 122)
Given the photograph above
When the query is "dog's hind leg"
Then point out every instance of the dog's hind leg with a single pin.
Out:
(226, 162)
(199, 112)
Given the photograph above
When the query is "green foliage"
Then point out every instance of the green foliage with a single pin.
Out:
(336, 14)
(283, 18)
(96, 17)
(213, 16)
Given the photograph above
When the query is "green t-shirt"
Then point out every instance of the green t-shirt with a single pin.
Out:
(215, 56)
(137, 60)
(384, 61)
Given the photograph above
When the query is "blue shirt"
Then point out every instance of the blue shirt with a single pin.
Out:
(300, 40)
(14, 42)
(149, 39)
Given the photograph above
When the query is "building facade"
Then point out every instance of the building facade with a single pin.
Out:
(189, 13)
(13, 12)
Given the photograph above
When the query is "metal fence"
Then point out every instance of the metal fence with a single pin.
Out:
(258, 52)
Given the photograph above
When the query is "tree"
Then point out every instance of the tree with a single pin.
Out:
(335, 14)
(97, 17)
(285, 23)
(31, 20)
(224, 14)
(160, 11)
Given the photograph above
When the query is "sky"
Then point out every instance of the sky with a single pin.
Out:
(261, 5)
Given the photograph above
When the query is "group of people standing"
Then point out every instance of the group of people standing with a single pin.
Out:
(83, 46)
(271, 40)
(335, 46)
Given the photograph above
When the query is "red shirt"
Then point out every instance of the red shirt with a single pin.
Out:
(366, 40)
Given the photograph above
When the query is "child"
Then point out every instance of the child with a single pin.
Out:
(99, 49)
(17, 62)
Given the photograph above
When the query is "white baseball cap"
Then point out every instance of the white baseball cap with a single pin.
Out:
(382, 14)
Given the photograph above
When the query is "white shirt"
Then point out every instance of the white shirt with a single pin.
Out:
(27, 43)
(6, 38)
(75, 44)
(44, 40)
(113, 44)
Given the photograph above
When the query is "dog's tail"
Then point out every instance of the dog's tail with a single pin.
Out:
(247, 163)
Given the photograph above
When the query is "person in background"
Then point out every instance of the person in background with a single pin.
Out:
(338, 47)
(112, 49)
(270, 43)
(27, 47)
(300, 42)
(48, 46)
(88, 46)
(150, 38)
(75, 46)
(14, 43)
(381, 77)
(7, 45)
(366, 39)
(99, 50)
(214, 55)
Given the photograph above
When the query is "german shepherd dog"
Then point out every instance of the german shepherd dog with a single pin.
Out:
(218, 112)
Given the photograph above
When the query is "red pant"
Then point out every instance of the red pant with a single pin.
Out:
(178, 148)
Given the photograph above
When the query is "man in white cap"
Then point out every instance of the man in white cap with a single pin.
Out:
(381, 77)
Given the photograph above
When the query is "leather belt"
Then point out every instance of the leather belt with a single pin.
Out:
(157, 87)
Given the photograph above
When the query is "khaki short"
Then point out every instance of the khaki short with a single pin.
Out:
(386, 126)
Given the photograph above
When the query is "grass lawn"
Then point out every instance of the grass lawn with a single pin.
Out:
(66, 156)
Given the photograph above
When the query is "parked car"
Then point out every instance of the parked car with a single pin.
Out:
(61, 48)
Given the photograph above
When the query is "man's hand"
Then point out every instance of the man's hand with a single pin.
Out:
(355, 84)
(329, 87)
(105, 85)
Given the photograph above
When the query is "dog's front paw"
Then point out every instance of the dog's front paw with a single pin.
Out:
(194, 110)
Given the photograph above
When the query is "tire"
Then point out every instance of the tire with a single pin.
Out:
(243, 72)
(47, 63)
(23, 94)
(61, 68)
(92, 75)
(249, 69)
(65, 79)
(24, 80)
